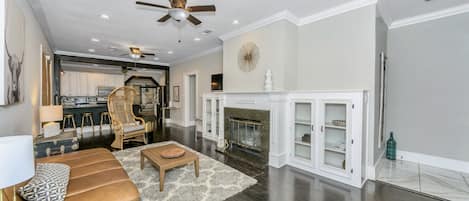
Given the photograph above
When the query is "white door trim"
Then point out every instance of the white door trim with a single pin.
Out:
(186, 110)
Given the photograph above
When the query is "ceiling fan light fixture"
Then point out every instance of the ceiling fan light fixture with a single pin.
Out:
(134, 56)
(178, 14)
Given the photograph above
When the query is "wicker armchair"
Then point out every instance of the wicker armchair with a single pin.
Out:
(126, 126)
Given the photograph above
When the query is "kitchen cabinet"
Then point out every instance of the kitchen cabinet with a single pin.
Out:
(86, 84)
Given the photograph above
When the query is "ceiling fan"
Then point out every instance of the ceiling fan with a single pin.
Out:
(179, 12)
(136, 53)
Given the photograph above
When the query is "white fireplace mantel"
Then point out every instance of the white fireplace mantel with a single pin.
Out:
(276, 104)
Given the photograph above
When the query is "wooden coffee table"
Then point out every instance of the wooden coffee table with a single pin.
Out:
(153, 155)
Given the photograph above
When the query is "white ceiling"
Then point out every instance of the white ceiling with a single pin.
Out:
(71, 24)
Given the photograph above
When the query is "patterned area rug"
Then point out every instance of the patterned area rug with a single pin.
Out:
(216, 182)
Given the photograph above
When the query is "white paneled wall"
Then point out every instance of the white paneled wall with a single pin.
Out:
(86, 84)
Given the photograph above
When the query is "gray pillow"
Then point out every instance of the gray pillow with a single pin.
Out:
(49, 183)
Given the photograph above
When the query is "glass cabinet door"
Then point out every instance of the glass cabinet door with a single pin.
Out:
(335, 131)
(208, 116)
(303, 127)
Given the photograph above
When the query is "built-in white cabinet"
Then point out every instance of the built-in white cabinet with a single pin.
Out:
(86, 84)
(327, 135)
(212, 116)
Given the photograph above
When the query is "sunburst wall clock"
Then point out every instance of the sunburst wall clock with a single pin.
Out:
(248, 57)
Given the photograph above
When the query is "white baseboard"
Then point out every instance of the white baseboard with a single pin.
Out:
(278, 160)
(435, 161)
(372, 170)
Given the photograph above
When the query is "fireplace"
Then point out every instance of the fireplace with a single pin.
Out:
(247, 134)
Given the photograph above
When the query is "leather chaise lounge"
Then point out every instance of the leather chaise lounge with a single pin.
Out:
(95, 175)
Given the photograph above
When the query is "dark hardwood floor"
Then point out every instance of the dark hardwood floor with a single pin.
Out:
(284, 184)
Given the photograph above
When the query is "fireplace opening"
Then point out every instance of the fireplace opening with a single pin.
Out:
(247, 134)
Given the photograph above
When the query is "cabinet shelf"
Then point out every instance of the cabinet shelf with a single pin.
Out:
(299, 142)
(335, 149)
(330, 125)
(303, 122)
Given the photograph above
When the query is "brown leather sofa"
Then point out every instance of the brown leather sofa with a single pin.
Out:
(95, 175)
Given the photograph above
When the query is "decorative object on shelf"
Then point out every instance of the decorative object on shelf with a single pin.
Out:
(13, 170)
(306, 138)
(391, 148)
(339, 123)
(248, 57)
(172, 153)
(176, 93)
(343, 164)
(49, 116)
(268, 80)
(12, 70)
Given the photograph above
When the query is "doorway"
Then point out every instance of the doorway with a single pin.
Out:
(191, 100)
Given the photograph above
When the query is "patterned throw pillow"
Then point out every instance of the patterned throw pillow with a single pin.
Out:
(49, 183)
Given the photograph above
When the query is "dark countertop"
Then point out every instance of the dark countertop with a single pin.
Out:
(84, 106)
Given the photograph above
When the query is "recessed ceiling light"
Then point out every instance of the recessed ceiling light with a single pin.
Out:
(104, 16)
(235, 22)
(95, 40)
(197, 39)
(170, 52)
(156, 58)
(91, 50)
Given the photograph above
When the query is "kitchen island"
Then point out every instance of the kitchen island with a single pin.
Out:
(78, 110)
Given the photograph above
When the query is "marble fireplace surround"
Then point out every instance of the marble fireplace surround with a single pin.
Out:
(274, 102)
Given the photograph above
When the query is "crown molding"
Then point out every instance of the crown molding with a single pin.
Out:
(204, 53)
(430, 16)
(341, 9)
(76, 54)
(283, 15)
(287, 15)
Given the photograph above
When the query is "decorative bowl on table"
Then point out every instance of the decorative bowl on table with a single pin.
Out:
(172, 153)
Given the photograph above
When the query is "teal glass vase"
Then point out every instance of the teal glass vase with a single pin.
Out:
(391, 148)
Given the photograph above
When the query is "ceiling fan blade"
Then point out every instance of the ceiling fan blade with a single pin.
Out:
(165, 18)
(150, 4)
(194, 20)
(207, 8)
(148, 54)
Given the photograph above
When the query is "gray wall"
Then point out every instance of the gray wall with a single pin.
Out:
(428, 88)
(204, 67)
(277, 49)
(23, 118)
(381, 46)
(338, 53)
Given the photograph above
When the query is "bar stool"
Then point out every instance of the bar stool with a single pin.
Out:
(87, 116)
(105, 118)
(68, 118)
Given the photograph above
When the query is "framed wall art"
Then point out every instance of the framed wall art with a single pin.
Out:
(13, 53)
